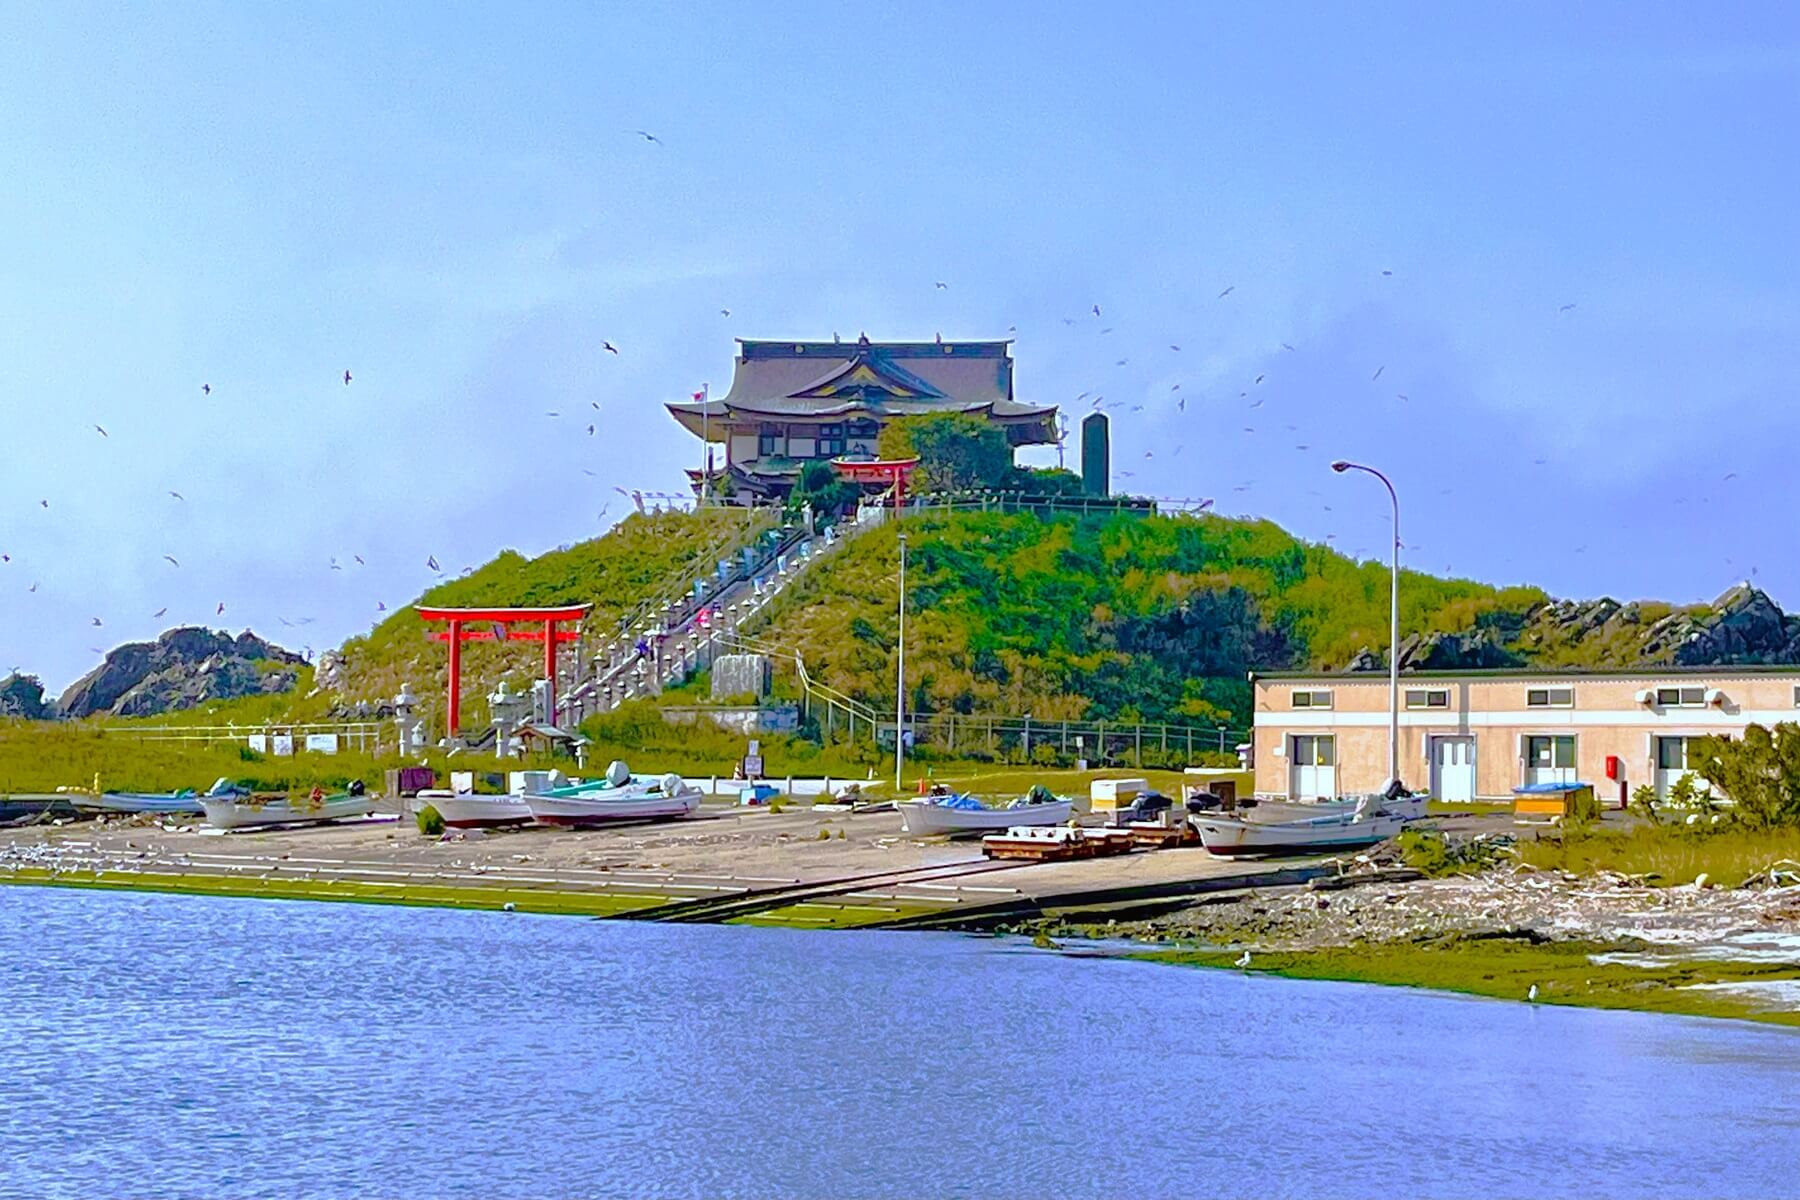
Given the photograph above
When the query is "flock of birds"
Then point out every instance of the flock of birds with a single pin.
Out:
(1251, 397)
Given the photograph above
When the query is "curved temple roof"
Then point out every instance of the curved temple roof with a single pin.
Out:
(894, 379)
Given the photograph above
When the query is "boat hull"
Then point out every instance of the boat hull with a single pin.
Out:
(141, 802)
(601, 808)
(244, 814)
(1318, 835)
(921, 818)
(469, 810)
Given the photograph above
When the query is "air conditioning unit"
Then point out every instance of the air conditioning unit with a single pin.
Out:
(1714, 696)
(1646, 696)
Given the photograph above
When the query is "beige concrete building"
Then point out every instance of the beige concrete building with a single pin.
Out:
(1476, 735)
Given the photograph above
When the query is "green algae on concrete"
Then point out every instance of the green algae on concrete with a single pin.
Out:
(1506, 968)
(530, 900)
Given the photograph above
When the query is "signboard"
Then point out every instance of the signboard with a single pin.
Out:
(753, 766)
(259, 742)
(322, 743)
(282, 744)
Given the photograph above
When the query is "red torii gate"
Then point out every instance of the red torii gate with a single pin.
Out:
(895, 471)
(549, 634)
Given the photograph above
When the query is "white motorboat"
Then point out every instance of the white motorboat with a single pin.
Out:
(243, 812)
(955, 814)
(620, 796)
(476, 810)
(1345, 829)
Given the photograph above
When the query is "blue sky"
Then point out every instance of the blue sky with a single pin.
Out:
(454, 206)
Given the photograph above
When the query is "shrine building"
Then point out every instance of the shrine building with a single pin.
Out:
(792, 403)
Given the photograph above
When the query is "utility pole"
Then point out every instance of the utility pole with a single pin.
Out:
(1393, 624)
(900, 678)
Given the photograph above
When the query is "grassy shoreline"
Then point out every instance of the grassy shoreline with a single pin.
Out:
(803, 914)
(1506, 968)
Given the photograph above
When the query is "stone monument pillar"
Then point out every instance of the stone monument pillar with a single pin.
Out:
(405, 732)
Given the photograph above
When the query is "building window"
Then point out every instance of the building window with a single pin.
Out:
(863, 428)
(1543, 753)
(1681, 697)
(1561, 697)
(831, 441)
(1312, 699)
(1428, 698)
(1310, 751)
(1672, 754)
(768, 441)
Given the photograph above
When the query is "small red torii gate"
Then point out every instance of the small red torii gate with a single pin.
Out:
(549, 634)
(894, 471)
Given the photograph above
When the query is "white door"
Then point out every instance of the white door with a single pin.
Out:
(1550, 759)
(1453, 768)
(1312, 767)
(1672, 764)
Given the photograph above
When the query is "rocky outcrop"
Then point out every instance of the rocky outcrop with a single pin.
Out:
(23, 696)
(182, 668)
(1743, 626)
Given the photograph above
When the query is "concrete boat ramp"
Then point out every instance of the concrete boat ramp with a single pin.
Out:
(798, 867)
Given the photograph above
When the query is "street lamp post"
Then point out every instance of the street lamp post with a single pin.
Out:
(1340, 467)
(900, 678)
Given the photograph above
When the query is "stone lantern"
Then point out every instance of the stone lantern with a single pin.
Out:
(506, 709)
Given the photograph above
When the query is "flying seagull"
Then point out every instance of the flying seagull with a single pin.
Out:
(170, 559)
(940, 285)
(1566, 308)
(1228, 291)
(206, 389)
(96, 622)
(158, 613)
(346, 379)
(648, 136)
(432, 562)
(380, 607)
(102, 432)
(1260, 378)
(1387, 272)
(1378, 371)
(1096, 310)
(609, 347)
(359, 560)
(724, 312)
(1287, 347)
(220, 610)
(178, 495)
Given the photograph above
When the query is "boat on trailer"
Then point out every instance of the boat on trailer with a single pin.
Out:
(476, 810)
(249, 811)
(950, 813)
(1343, 829)
(618, 796)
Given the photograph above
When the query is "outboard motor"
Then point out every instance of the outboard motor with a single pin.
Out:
(1200, 801)
(356, 787)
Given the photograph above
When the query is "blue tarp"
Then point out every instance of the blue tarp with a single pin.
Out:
(1549, 789)
(956, 800)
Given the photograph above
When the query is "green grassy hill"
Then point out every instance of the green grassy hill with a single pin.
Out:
(1063, 616)
(1129, 617)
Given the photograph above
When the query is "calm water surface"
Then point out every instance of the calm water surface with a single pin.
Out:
(162, 1045)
